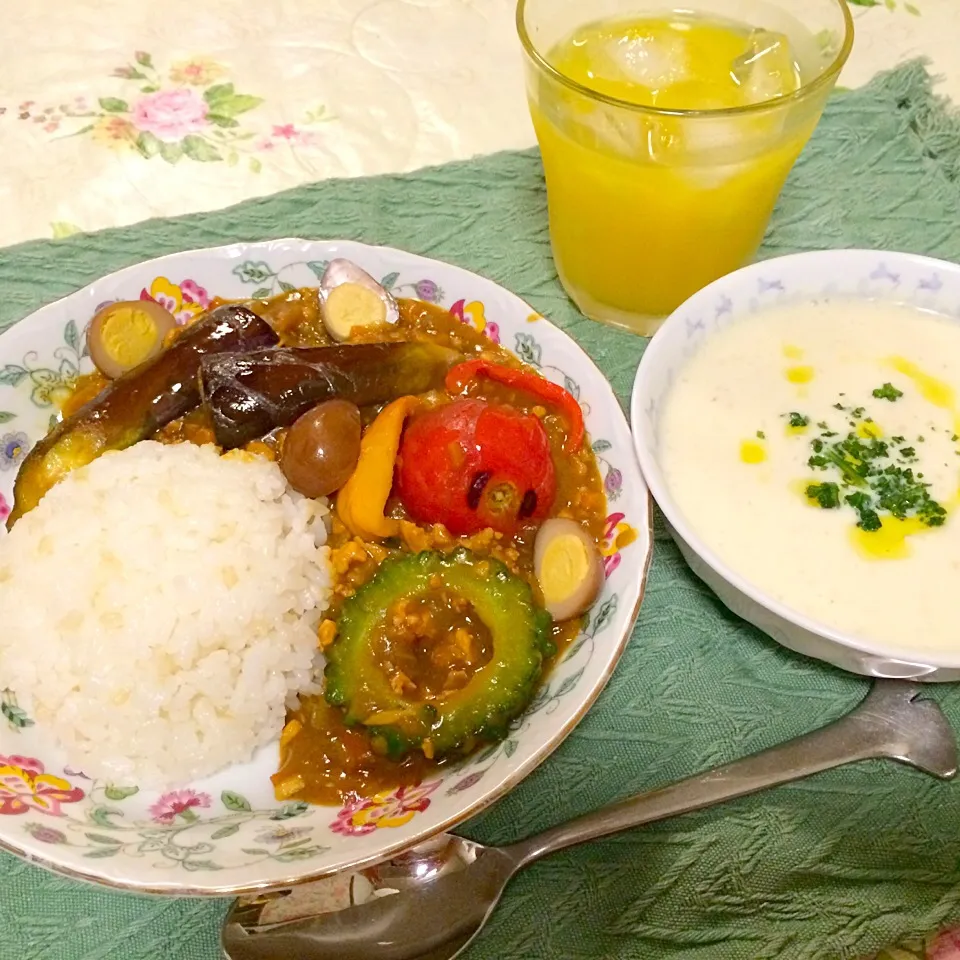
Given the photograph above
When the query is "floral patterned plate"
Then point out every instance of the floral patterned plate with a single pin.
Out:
(227, 833)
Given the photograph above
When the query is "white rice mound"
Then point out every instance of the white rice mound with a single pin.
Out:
(160, 609)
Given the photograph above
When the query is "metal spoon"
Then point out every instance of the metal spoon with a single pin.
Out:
(457, 883)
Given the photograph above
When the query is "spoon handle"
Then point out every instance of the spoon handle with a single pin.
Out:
(889, 722)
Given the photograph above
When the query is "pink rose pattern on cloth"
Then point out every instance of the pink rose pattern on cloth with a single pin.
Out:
(171, 115)
(188, 110)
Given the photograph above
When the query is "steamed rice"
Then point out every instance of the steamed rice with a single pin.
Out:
(160, 608)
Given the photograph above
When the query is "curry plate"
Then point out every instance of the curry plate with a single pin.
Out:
(227, 834)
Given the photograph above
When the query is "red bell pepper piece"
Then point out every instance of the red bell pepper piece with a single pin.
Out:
(547, 391)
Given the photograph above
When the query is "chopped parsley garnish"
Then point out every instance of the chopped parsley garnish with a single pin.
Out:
(826, 494)
(761, 435)
(901, 493)
(873, 476)
(852, 457)
(869, 520)
(888, 392)
(798, 420)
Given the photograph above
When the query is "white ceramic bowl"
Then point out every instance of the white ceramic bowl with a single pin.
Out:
(227, 833)
(867, 274)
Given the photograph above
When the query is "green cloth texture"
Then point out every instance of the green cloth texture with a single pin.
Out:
(836, 866)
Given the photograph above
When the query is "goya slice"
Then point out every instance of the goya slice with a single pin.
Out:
(496, 693)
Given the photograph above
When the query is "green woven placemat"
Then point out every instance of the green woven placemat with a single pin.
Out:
(836, 866)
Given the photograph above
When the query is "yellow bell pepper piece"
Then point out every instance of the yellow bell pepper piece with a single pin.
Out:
(362, 499)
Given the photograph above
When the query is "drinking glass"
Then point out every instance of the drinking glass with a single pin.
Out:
(648, 205)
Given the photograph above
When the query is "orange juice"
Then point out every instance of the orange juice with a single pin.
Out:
(647, 206)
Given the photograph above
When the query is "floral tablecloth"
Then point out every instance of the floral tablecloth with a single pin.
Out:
(114, 112)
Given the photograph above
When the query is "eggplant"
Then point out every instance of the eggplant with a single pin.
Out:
(250, 394)
(134, 406)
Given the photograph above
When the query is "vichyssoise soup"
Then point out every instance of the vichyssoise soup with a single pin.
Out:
(815, 448)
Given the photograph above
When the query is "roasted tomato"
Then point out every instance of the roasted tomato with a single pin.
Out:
(471, 464)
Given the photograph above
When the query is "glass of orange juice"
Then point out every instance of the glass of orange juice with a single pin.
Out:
(667, 134)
